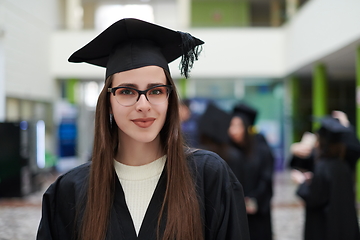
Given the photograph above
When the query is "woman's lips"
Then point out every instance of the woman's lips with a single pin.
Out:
(144, 122)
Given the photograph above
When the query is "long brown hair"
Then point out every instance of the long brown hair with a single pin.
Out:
(181, 205)
(247, 145)
(329, 149)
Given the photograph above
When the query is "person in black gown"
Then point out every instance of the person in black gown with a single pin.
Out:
(188, 124)
(302, 154)
(252, 161)
(328, 190)
(142, 182)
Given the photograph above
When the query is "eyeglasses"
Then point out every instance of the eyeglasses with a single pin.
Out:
(128, 96)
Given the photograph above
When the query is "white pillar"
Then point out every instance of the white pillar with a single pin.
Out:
(2, 64)
(184, 13)
(239, 89)
(2, 76)
(190, 88)
(291, 8)
(74, 15)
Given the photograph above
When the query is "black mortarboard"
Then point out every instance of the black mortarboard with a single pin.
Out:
(214, 123)
(245, 111)
(332, 130)
(131, 43)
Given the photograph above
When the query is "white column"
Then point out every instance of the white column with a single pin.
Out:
(190, 88)
(2, 64)
(184, 13)
(239, 89)
(74, 14)
(2, 76)
(291, 8)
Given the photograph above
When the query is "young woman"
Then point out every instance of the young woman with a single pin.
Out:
(251, 159)
(142, 182)
(328, 191)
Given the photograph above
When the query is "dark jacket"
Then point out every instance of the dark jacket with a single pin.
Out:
(255, 173)
(220, 194)
(330, 202)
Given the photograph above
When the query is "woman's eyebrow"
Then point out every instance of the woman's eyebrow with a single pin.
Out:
(128, 85)
(154, 84)
(137, 87)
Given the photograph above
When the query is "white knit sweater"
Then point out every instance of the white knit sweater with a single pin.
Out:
(139, 183)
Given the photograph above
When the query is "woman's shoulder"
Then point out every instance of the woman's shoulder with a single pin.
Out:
(73, 179)
(205, 157)
(212, 173)
(77, 172)
(207, 163)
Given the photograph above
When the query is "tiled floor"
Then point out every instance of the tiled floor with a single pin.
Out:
(287, 211)
(19, 218)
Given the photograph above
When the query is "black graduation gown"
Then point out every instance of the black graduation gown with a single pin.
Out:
(330, 202)
(302, 164)
(220, 193)
(352, 145)
(352, 154)
(255, 173)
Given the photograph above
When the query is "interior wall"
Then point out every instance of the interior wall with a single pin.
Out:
(319, 28)
(27, 28)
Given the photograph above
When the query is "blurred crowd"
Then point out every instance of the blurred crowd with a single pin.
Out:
(322, 165)
(322, 168)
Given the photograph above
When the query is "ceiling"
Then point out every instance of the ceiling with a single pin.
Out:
(154, 1)
(126, 1)
(340, 65)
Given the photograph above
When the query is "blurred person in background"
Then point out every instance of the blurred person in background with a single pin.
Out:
(188, 125)
(212, 128)
(252, 161)
(184, 111)
(328, 190)
(142, 182)
(302, 154)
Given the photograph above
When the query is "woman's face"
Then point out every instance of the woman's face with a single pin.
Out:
(142, 121)
(237, 130)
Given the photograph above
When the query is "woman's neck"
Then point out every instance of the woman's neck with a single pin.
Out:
(135, 153)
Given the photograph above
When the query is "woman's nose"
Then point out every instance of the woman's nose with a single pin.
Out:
(143, 104)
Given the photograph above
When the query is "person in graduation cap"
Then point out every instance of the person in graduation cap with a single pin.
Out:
(188, 123)
(252, 161)
(142, 182)
(328, 191)
(212, 128)
(302, 154)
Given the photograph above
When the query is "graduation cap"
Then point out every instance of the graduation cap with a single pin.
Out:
(245, 112)
(214, 123)
(332, 130)
(132, 43)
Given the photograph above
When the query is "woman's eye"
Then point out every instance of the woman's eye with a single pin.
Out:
(156, 91)
(126, 91)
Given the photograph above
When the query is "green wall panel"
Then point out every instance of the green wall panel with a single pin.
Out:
(220, 13)
(320, 93)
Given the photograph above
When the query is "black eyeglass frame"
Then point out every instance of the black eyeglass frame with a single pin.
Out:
(140, 92)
